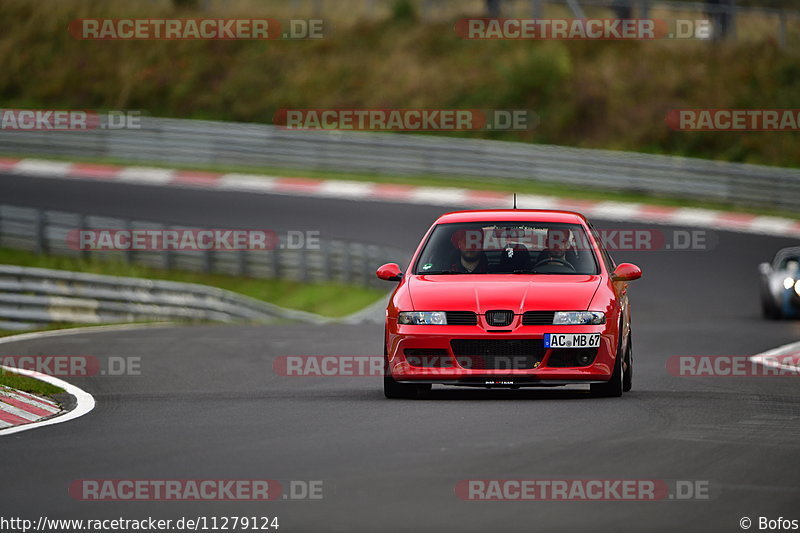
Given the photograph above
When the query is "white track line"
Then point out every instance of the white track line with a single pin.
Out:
(42, 167)
(146, 175)
(381, 192)
(85, 401)
(769, 358)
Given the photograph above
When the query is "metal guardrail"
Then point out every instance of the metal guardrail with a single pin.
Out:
(342, 11)
(179, 141)
(32, 296)
(725, 15)
(347, 262)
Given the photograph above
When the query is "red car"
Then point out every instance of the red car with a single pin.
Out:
(509, 298)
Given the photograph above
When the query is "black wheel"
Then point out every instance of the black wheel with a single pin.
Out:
(627, 374)
(395, 390)
(613, 387)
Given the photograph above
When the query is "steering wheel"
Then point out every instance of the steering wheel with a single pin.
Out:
(555, 261)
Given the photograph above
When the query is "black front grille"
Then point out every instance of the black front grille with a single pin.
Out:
(499, 319)
(538, 318)
(563, 357)
(461, 318)
(428, 358)
(498, 354)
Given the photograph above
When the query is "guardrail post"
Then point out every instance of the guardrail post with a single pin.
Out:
(276, 260)
(303, 265)
(347, 262)
(327, 263)
(84, 254)
(167, 258)
(366, 265)
(129, 256)
(241, 258)
(208, 261)
(41, 232)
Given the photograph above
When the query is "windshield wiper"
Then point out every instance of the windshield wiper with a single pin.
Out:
(437, 272)
(524, 272)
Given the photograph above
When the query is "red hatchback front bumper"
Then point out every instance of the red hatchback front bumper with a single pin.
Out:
(472, 355)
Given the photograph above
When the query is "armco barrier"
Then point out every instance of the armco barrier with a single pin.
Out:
(179, 141)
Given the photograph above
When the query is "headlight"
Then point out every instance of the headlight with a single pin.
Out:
(437, 318)
(579, 318)
(787, 283)
(797, 287)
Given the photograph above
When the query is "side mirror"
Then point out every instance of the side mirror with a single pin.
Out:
(626, 272)
(389, 272)
(765, 268)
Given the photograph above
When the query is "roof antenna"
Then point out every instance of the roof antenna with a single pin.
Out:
(515, 200)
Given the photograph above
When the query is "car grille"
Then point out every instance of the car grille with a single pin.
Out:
(538, 318)
(498, 354)
(499, 319)
(461, 318)
(563, 357)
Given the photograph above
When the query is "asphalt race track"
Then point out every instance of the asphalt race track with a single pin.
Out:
(208, 405)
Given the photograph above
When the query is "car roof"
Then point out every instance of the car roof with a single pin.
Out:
(512, 215)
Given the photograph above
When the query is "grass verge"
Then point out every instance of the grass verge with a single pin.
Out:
(328, 299)
(587, 93)
(26, 384)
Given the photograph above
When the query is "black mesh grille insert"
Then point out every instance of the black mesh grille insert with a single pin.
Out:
(498, 354)
(428, 358)
(562, 357)
(461, 318)
(538, 318)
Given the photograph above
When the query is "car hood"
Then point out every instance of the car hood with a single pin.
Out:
(485, 292)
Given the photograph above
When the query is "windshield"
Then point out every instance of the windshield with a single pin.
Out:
(507, 248)
(788, 262)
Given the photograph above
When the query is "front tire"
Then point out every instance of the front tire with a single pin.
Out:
(614, 387)
(627, 375)
(394, 390)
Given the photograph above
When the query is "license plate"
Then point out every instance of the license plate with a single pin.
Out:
(571, 340)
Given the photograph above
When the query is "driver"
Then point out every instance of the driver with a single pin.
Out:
(470, 259)
(554, 257)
